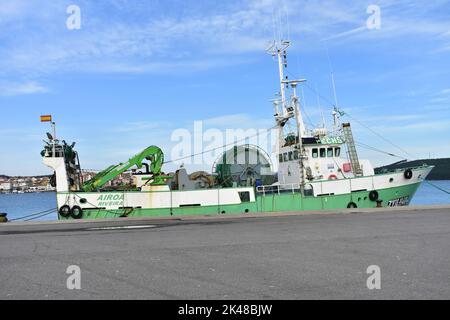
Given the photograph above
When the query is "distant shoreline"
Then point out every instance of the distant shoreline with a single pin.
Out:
(28, 192)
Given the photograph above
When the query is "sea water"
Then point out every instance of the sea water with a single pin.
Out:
(19, 205)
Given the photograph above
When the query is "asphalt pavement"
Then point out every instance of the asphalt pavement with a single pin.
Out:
(290, 256)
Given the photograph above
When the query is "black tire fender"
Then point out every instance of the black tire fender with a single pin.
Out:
(76, 212)
(53, 180)
(64, 211)
(352, 205)
(373, 195)
(408, 174)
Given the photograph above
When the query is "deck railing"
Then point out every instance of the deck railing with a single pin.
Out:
(329, 187)
(294, 187)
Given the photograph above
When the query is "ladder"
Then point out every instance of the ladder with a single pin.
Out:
(353, 155)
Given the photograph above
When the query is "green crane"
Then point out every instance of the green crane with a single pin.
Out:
(152, 153)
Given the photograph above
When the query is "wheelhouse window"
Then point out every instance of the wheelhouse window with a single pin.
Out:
(323, 152)
(337, 152)
(291, 156)
(296, 155)
(315, 153)
(285, 157)
(330, 152)
(280, 157)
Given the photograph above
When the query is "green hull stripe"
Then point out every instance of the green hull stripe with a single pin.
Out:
(272, 203)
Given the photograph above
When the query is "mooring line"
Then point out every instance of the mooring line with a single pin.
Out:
(41, 216)
(437, 187)
(33, 216)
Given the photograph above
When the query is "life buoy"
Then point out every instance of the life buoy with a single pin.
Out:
(76, 212)
(332, 177)
(373, 195)
(64, 211)
(408, 174)
(352, 205)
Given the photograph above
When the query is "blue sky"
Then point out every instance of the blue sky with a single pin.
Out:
(137, 70)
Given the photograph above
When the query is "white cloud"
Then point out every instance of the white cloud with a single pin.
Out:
(433, 125)
(153, 45)
(16, 89)
(228, 120)
(238, 121)
(399, 19)
(132, 127)
(395, 118)
(194, 40)
(11, 9)
(347, 33)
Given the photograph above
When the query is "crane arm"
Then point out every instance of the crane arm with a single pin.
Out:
(152, 153)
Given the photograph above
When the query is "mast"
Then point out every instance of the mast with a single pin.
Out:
(289, 110)
(300, 132)
(54, 139)
(334, 89)
(282, 62)
(301, 128)
(278, 49)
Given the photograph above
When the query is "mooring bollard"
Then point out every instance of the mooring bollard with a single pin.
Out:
(3, 217)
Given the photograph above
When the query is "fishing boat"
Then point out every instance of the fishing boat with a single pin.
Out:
(317, 170)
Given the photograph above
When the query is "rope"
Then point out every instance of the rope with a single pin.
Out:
(363, 125)
(221, 147)
(41, 216)
(38, 214)
(378, 150)
(381, 137)
(437, 187)
(356, 120)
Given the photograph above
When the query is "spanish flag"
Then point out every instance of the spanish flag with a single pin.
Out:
(47, 118)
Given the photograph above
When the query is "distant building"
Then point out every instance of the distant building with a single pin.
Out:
(6, 187)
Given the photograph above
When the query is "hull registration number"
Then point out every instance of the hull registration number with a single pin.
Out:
(399, 202)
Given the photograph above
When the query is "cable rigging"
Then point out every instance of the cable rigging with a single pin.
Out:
(35, 216)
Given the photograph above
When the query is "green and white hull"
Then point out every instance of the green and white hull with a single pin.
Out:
(393, 189)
